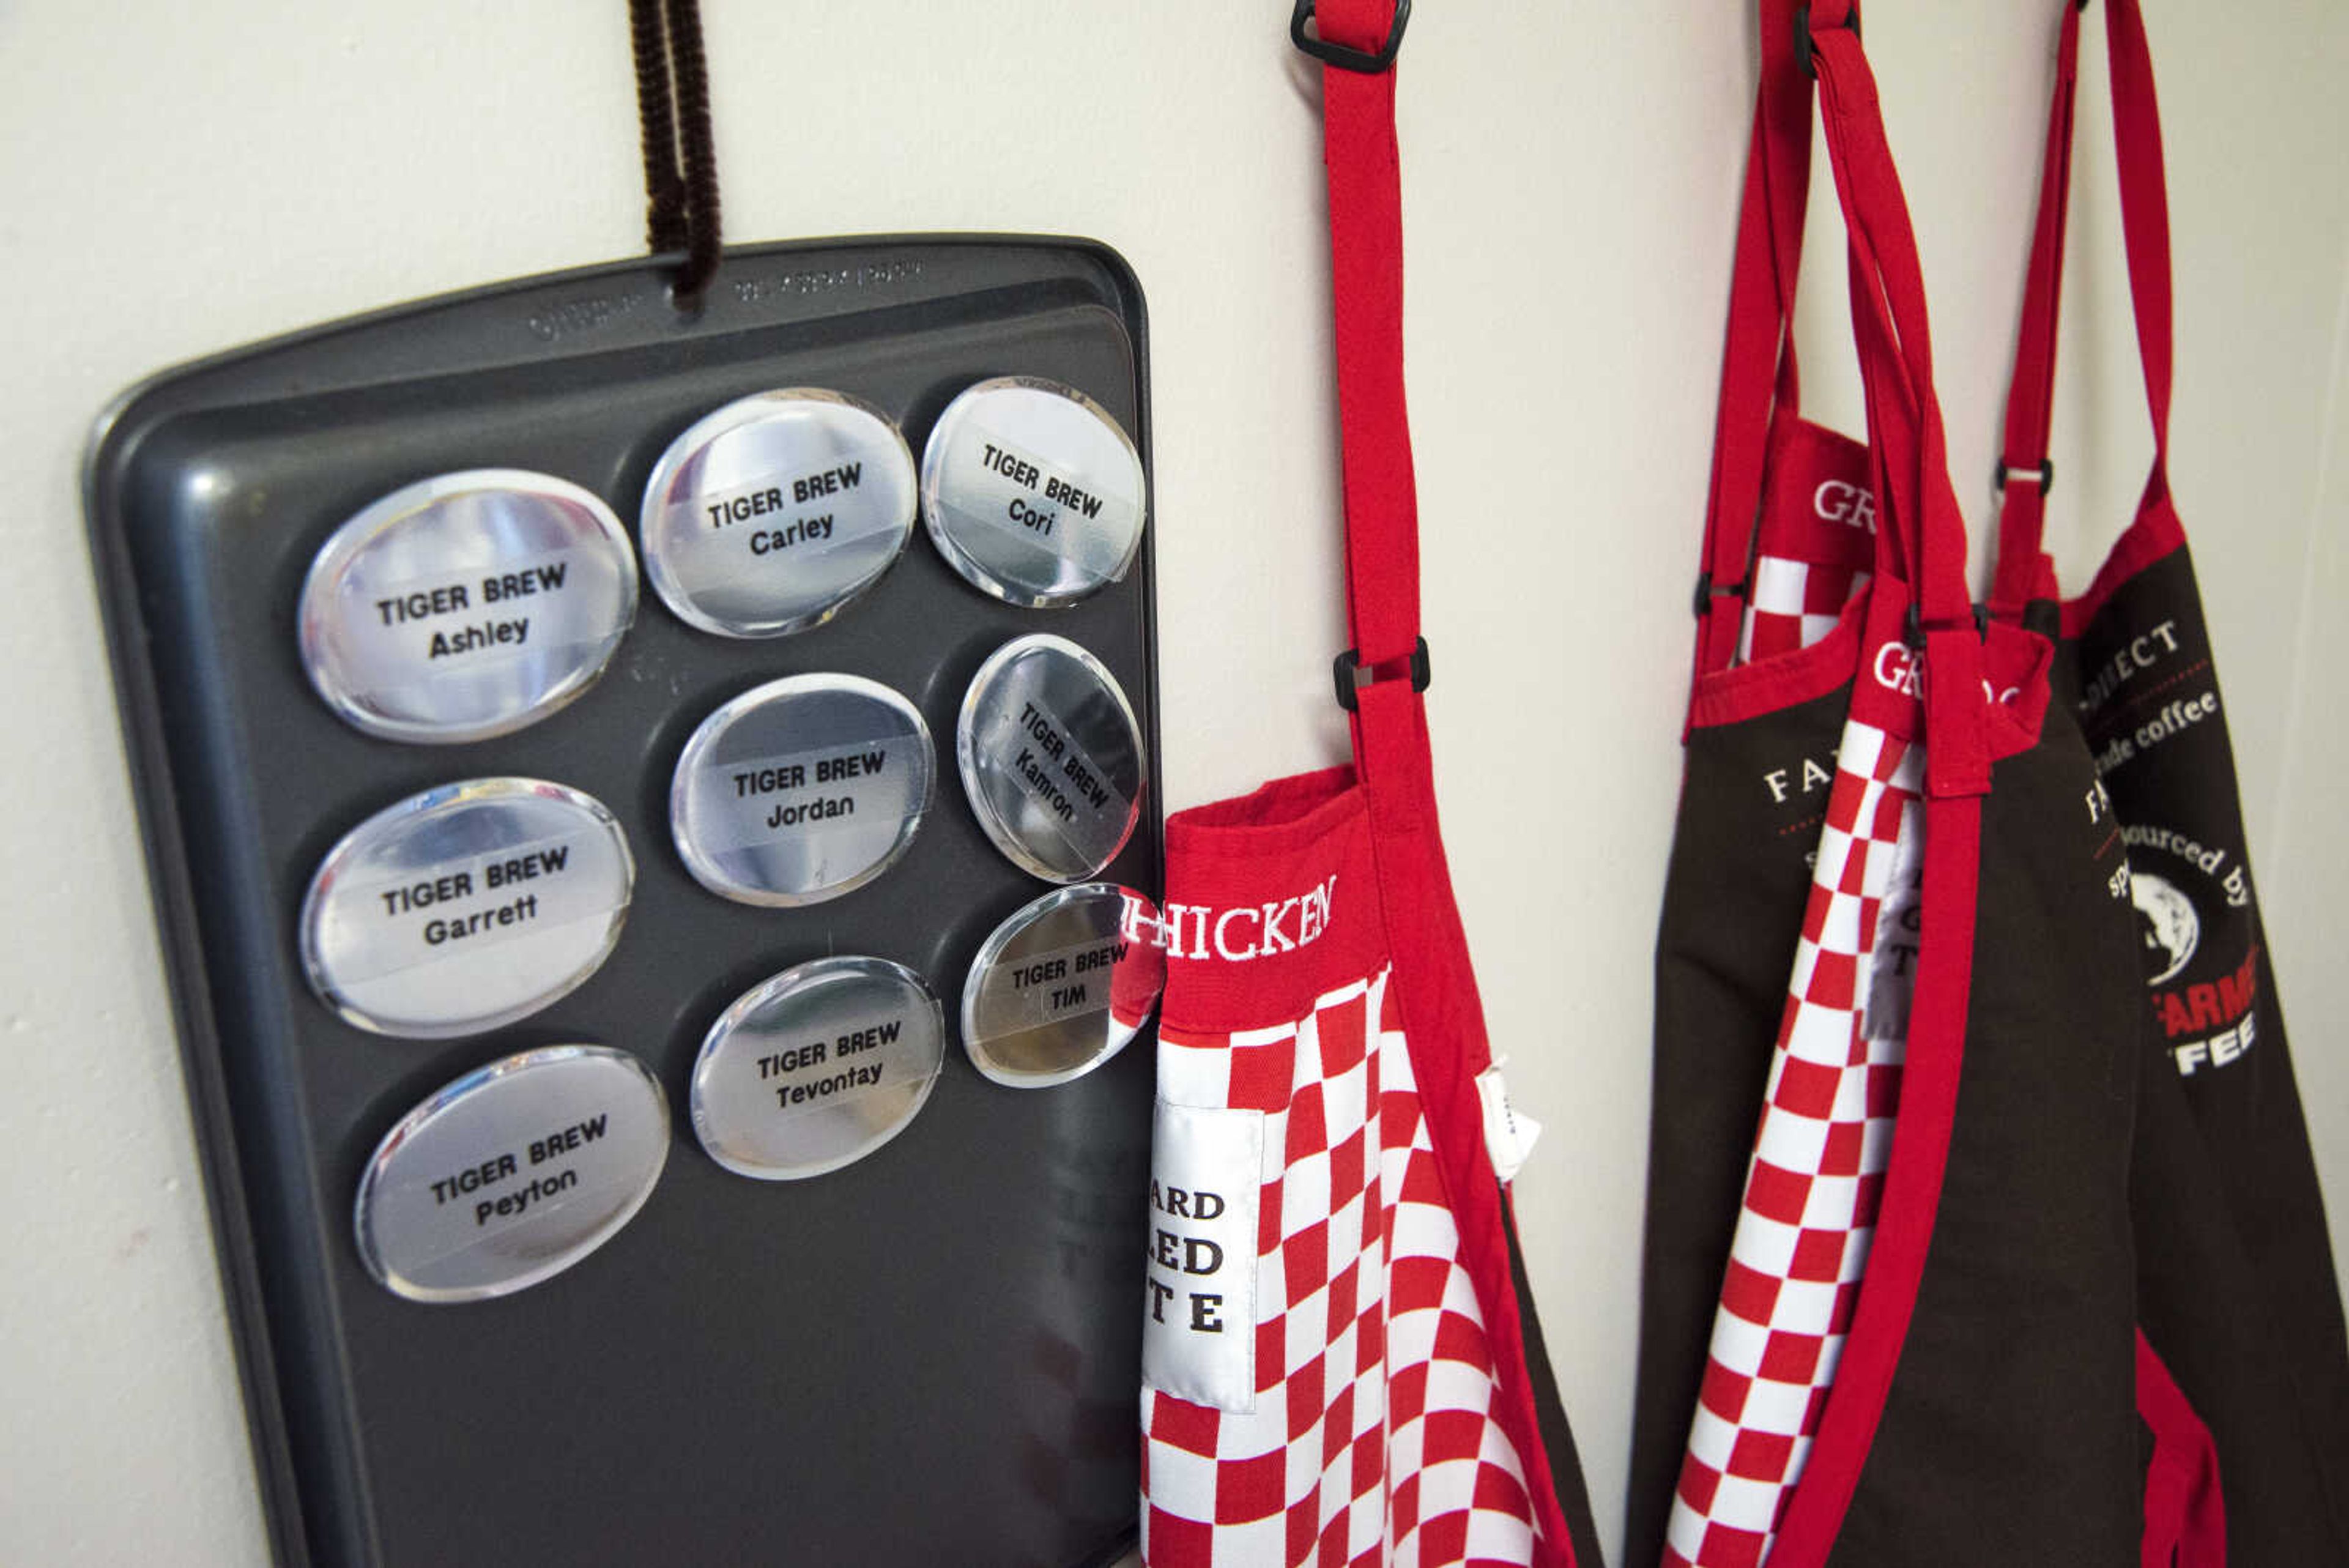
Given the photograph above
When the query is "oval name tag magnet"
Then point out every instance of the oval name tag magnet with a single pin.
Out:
(512, 1174)
(817, 1067)
(1032, 491)
(1064, 985)
(466, 908)
(769, 515)
(801, 790)
(1050, 757)
(467, 605)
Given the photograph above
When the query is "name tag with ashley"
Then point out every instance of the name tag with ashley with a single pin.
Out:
(1198, 1334)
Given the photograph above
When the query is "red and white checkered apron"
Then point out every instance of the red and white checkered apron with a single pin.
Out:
(1338, 1367)
(1372, 1436)
(1816, 1179)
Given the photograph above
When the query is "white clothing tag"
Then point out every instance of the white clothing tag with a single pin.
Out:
(1509, 1135)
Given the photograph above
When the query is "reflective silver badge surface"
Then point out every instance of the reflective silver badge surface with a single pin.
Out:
(512, 1174)
(467, 605)
(466, 907)
(1050, 755)
(770, 514)
(801, 790)
(1032, 491)
(817, 1067)
(1064, 985)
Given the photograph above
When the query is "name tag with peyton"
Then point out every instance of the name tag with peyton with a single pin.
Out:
(769, 515)
(1032, 491)
(1051, 759)
(467, 605)
(512, 1174)
(801, 790)
(466, 908)
(1064, 985)
(816, 1067)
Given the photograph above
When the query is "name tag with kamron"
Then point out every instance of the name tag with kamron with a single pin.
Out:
(1050, 756)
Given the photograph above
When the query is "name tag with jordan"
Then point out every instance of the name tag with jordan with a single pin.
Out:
(1032, 491)
(801, 790)
(817, 1067)
(1050, 756)
(466, 908)
(771, 515)
(467, 605)
(512, 1174)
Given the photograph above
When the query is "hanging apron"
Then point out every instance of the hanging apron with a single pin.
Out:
(1888, 1314)
(2238, 1297)
(1339, 1366)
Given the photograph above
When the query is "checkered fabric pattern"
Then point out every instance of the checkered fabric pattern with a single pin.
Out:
(1817, 1173)
(1794, 604)
(1373, 1440)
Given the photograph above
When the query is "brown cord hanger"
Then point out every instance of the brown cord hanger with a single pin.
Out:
(680, 155)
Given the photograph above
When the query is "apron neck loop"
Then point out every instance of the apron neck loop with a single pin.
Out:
(1356, 41)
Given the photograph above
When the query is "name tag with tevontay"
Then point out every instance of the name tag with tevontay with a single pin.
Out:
(817, 1067)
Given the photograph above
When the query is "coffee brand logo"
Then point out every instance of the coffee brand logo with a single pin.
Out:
(2170, 926)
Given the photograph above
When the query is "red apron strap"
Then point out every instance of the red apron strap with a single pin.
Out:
(1435, 986)
(1758, 358)
(1909, 451)
(2024, 474)
(1366, 259)
(2145, 210)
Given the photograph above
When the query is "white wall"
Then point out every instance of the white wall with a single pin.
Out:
(183, 179)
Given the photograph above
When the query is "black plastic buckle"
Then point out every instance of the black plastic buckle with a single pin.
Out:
(1913, 632)
(1359, 62)
(1803, 35)
(1706, 592)
(2003, 473)
(1347, 674)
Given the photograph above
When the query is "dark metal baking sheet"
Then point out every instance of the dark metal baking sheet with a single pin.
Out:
(927, 1357)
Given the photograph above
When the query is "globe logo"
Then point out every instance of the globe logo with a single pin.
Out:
(2167, 923)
